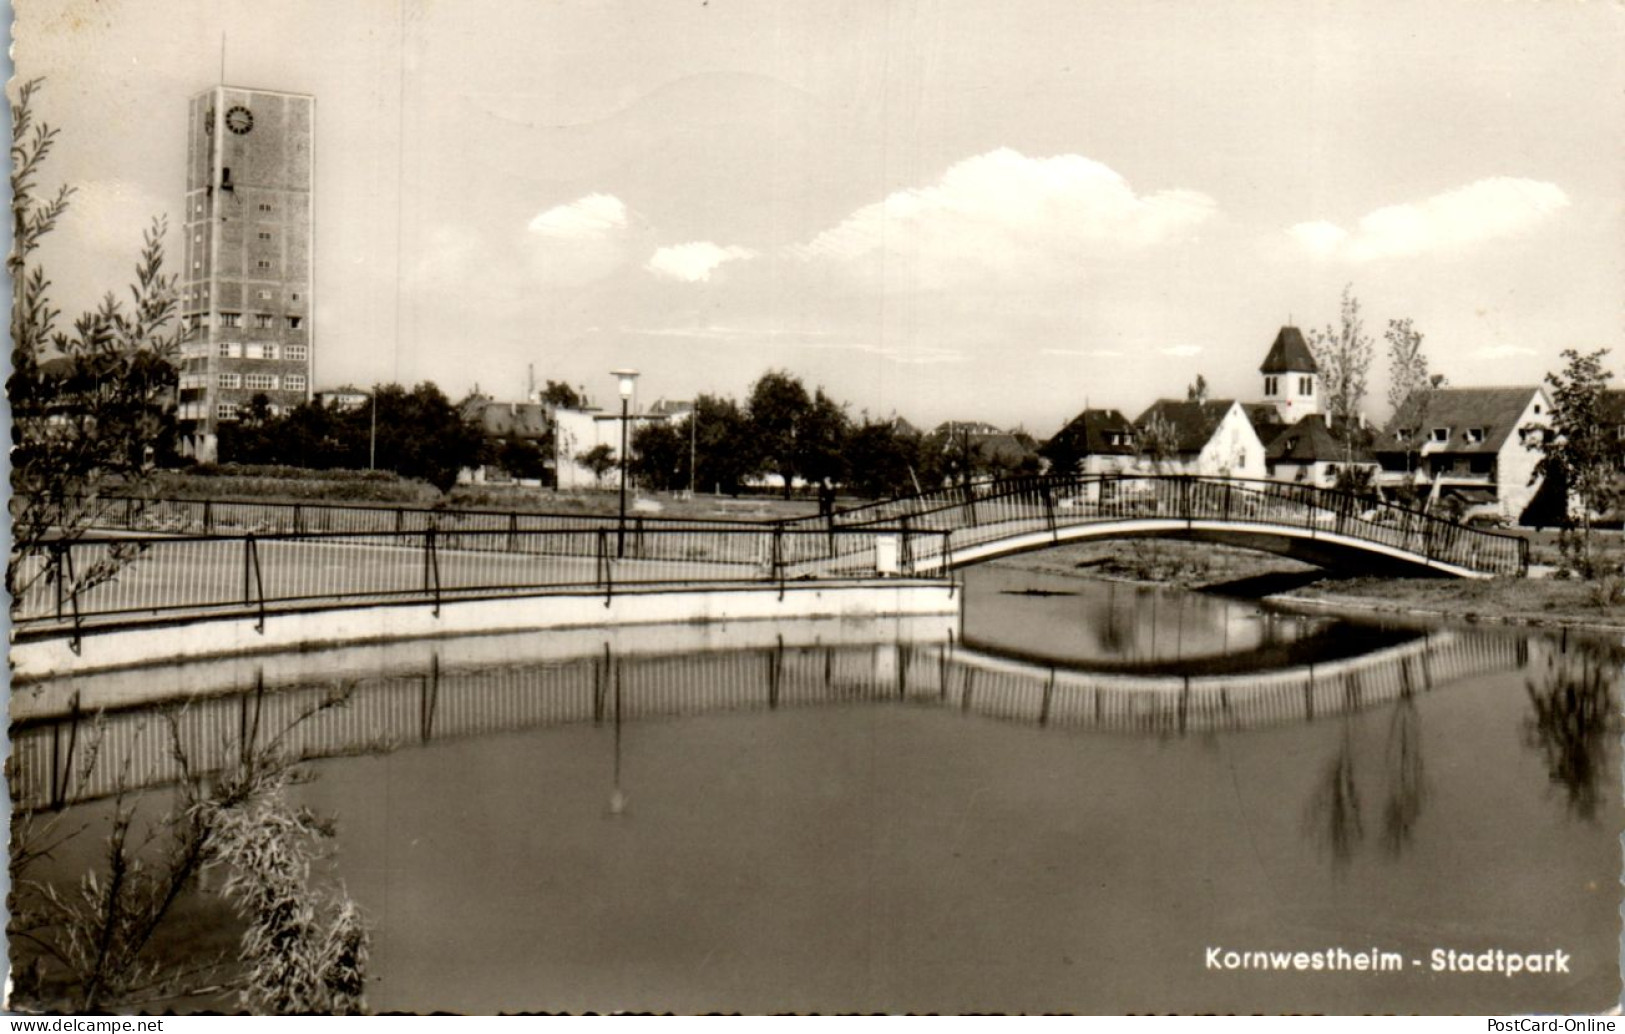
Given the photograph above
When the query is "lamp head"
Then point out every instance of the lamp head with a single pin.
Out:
(625, 380)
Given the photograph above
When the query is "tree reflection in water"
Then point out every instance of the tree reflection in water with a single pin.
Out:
(1574, 720)
(1407, 784)
(1334, 808)
(1335, 815)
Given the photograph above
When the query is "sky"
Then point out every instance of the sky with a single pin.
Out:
(939, 209)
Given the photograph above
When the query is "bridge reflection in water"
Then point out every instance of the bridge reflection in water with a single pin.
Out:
(64, 753)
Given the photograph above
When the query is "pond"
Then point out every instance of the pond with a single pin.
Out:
(1090, 798)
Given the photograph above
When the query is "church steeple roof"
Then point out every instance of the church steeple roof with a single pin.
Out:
(1289, 354)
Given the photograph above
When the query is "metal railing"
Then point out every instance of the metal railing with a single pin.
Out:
(165, 516)
(986, 511)
(73, 584)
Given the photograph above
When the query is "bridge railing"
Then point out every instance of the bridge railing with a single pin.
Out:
(167, 516)
(988, 510)
(66, 586)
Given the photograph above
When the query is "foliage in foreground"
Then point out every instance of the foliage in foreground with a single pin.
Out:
(88, 406)
(95, 946)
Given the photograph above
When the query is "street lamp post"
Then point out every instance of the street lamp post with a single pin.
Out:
(625, 380)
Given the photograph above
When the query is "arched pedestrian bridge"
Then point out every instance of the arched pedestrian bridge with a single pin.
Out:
(966, 524)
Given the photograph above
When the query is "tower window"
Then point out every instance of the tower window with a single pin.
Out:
(225, 411)
(1271, 385)
(260, 381)
(231, 319)
(296, 353)
(228, 380)
(1306, 385)
(294, 382)
(264, 236)
(264, 206)
(262, 264)
(263, 321)
(294, 322)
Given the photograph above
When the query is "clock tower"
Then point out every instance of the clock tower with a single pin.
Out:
(248, 276)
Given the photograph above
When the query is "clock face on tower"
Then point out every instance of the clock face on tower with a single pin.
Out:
(239, 120)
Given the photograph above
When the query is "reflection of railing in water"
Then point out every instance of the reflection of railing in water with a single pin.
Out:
(397, 711)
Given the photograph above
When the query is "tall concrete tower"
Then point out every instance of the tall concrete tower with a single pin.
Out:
(248, 277)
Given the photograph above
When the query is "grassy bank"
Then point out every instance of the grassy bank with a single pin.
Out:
(1190, 565)
(383, 488)
(1546, 602)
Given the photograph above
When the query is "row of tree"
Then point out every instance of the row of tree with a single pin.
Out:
(418, 433)
(783, 429)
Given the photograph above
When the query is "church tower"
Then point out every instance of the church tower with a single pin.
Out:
(1291, 377)
(247, 281)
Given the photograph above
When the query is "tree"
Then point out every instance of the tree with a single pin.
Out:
(1197, 390)
(94, 417)
(778, 409)
(523, 457)
(1580, 446)
(881, 460)
(1410, 386)
(1343, 354)
(600, 459)
(821, 441)
(660, 455)
(418, 434)
(1157, 442)
(561, 396)
(726, 443)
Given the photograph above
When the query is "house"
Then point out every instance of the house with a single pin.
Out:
(1311, 452)
(579, 431)
(1212, 437)
(1096, 441)
(993, 452)
(522, 436)
(1471, 448)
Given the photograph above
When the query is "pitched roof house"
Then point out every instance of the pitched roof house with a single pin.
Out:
(1470, 444)
(1096, 441)
(1210, 437)
(1312, 452)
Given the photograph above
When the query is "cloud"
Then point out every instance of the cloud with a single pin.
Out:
(1182, 351)
(695, 261)
(592, 217)
(1007, 217)
(1503, 352)
(1484, 210)
(1087, 353)
(1320, 239)
(583, 242)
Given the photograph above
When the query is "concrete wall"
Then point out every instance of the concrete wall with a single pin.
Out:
(171, 643)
